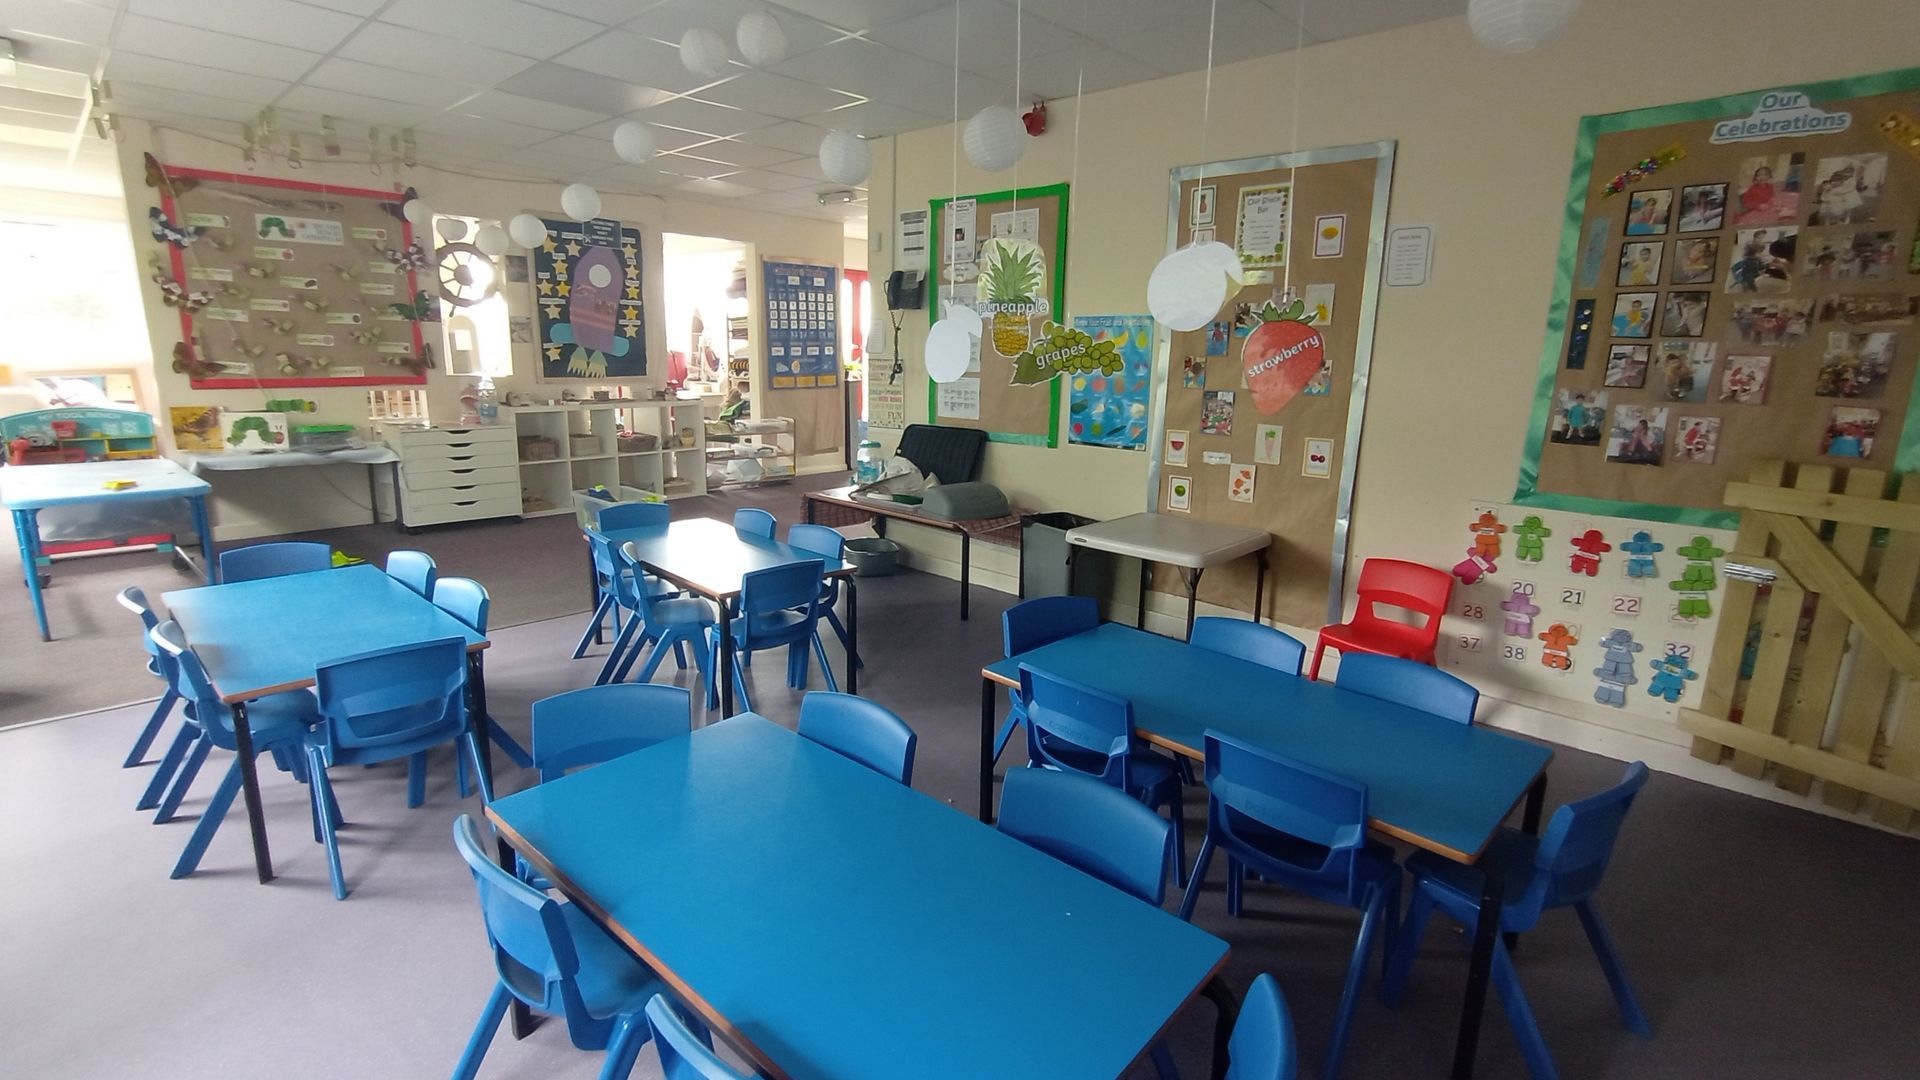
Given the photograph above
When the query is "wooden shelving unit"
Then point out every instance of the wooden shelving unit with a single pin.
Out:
(768, 442)
(661, 452)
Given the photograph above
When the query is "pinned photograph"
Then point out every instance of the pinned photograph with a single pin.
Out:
(1180, 494)
(1703, 207)
(1240, 483)
(1695, 260)
(1203, 235)
(1639, 263)
(1329, 236)
(1317, 459)
(1768, 190)
(1193, 374)
(1627, 366)
(1850, 432)
(1638, 435)
(1579, 417)
(1686, 369)
(1855, 309)
(1847, 190)
(520, 329)
(1647, 212)
(516, 269)
(1633, 314)
(1744, 379)
(1201, 211)
(1216, 412)
(1770, 322)
(1266, 444)
(1855, 365)
(1861, 256)
(1176, 452)
(1763, 260)
(1696, 439)
(1684, 314)
(1219, 333)
(1319, 301)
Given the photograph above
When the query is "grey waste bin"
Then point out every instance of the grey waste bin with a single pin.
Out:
(1044, 569)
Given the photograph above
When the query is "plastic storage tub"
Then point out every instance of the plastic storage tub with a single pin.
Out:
(874, 556)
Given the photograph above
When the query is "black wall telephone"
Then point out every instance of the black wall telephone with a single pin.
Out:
(906, 290)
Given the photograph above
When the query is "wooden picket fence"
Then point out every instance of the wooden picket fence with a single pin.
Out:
(1831, 690)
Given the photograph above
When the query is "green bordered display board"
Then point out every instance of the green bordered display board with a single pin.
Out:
(1738, 280)
(968, 268)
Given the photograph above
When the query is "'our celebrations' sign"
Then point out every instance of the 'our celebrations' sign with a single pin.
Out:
(1781, 113)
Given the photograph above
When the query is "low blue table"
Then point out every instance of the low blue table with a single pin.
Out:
(268, 635)
(1433, 783)
(26, 490)
(831, 923)
(709, 558)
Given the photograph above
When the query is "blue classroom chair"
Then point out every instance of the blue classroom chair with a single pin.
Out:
(467, 600)
(1077, 728)
(598, 723)
(273, 560)
(749, 521)
(1261, 1046)
(658, 623)
(1031, 624)
(552, 957)
(415, 570)
(779, 605)
(278, 723)
(1304, 829)
(828, 543)
(865, 731)
(1251, 641)
(160, 663)
(1409, 683)
(386, 705)
(607, 566)
(1560, 869)
(684, 1053)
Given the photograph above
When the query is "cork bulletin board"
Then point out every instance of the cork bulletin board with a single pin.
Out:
(962, 228)
(1310, 227)
(290, 284)
(1751, 295)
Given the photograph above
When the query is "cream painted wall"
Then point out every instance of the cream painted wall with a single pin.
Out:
(288, 500)
(1485, 146)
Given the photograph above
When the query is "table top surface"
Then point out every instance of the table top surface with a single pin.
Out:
(833, 923)
(1174, 539)
(219, 461)
(709, 557)
(33, 487)
(267, 635)
(1435, 783)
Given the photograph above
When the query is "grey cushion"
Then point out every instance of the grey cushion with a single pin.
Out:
(964, 502)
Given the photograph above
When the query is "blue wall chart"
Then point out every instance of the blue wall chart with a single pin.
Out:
(803, 324)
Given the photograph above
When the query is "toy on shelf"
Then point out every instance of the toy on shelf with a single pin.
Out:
(1587, 548)
(1556, 647)
(1616, 668)
(1640, 550)
(1486, 530)
(1697, 579)
(1529, 534)
(1473, 568)
(1670, 675)
(1520, 610)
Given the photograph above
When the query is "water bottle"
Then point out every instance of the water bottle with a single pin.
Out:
(866, 464)
(488, 403)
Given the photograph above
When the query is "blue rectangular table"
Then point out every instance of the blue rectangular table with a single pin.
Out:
(710, 558)
(831, 923)
(1436, 784)
(268, 635)
(28, 489)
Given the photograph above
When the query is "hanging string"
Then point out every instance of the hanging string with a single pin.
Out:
(1019, 26)
(1293, 148)
(1079, 101)
(953, 245)
(1206, 93)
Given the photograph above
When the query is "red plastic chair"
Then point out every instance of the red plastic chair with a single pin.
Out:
(1422, 590)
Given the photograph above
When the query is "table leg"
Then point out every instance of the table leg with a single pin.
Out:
(1146, 575)
(593, 593)
(521, 1020)
(477, 720)
(966, 572)
(989, 696)
(1193, 590)
(853, 637)
(724, 657)
(250, 790)
(1227, 1010)
(399, 524)
(1485, 932)
(26, 528)
(208, 569)
(807, 506)
(1259, 582)
(373, 493)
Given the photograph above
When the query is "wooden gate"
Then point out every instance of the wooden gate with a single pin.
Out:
(1817, 674)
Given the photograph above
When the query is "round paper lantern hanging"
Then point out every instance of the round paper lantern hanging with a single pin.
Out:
(580, 202)
(966, 317)
(452, 230)
(761, 38)
(949, 351)
(704, 52)
(418, 213)
(1186, 290)
(1518, 25)
(845, 157)
(491, 240)
(995, 138)
(527, 231)
(634, 142)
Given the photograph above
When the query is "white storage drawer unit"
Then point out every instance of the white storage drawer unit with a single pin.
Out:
(456, 474)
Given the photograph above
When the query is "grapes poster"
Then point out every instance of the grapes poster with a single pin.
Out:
(1109, 407)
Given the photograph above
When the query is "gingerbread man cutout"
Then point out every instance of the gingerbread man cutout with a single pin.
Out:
(1641, 550)
(1486, 530)
(1670, 676)
(1520, 610)
(1530, 532)
(1472, 568)
(1588, 547)
(1557, 641)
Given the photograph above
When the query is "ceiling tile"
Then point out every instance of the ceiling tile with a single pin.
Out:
(154, 71)
(346, 106)
(18, 119)
(741, 155)
(460, 125)
(430, 54)
(631, 57)
(597, 151)
(60, 19)
(1331, 20)
(873, 118)
(351, 7)
(583, 90)
(499, 105)
(1175, 41)
(774, 95)
(132, 98)
(901, 79)
(986, 34)
(607, 12)
(632, 178)
(390, 84)
(63, 106)
(665, 138)
(807, 168)
(173, 41)
(861, 14)
(499, 24)
(770, 181)
(696, 115)
(671, 20)
(1057, 75)
(793, 137)
(282, 22)
(59, 55)
(723, 189)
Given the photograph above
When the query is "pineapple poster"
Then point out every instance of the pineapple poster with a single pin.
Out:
(1012, 292)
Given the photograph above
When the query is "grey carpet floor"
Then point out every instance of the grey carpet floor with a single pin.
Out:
(1765, 941)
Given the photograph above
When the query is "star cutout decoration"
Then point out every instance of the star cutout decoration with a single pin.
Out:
(573, 247)
(549, 245)
(546, 288)
(552, 308)
(633, 292)
(627, 250)
(632, 313)
(553, 352)
(563, 289)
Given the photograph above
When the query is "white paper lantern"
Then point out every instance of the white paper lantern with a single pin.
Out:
(966, 317)
(949, 351)
(491, 240)
(995, 138)
(418, 213)
(527, 231)
(1187, 289)
(761, 38)
(634, 142)
(1518, 25)
(704, 52)
(845, 157)
(580, 202)
(452, 229)
(1225, 259)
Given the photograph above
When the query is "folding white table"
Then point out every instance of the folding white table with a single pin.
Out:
(1176, 541)
(370, 456)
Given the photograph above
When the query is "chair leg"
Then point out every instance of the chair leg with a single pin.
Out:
(1630, 1011)
(740, 681)
(1006, 732)
(593, 625)
(1236, 884)
(417, 780)
(630, 1033)
(317, 769)
(145, 739)
(1176, 810)
(1406, 947)
(655, 654)
(508, 745)
(482, 1037)
(703, 660)
(840, 631)
(1163, 1061)
(1319, 651)
(620, 646)
(169, 764)
(826, 669)
(680, 653)
(1194, 879)
(1356, 978)
(1390, 932)
(189, 771)
(472, 746)
(1533, 1046)
(209, 823)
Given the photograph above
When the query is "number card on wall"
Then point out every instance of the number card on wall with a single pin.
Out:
(803, 325)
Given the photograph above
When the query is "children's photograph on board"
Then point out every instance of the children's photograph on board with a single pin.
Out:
(1695, 260)
(1858, 308)
(1638, 435)
(1633, 314)
(1847, 190)
(1703, 207)
(1855, 365)
(1647, 212)
(1768, 190)
(1696, 439)
(1770, 322)
(1193, 374)
(1579, 417)
(1684, 314)
(1626, 366)
(1686, 369)
(1860, 256)
(1216, 412)
(1219, 335)
(1744, 379)
(1640, 263)
(1850, 432)
(1763, 260)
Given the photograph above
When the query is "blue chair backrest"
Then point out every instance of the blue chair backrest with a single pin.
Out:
(817, 540)
(599, 723)
(1409, 683)
(274, 560)
(1091, 827)
(387, 697)
(1574, 851)
(753, 522)
(682, 1055)
(1073, 726)
(1253, 792)
(160, 661)
(533, 950)
(464, 599)
(1046, 619)
(189, 678)
(777, 588)
(863, 730)
(1261, 1046)
(414, 569)
(1254, 642)
(634, 515)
